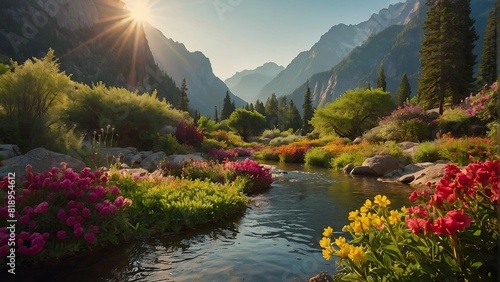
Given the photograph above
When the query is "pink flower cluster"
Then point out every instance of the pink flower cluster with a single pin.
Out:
(189, 134)
(222, 154)
(482, 104)
(260, 176)
(60, 202)
(453, 194)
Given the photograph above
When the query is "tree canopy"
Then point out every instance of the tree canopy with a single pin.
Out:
(246, 123)
(353, 113)
(404, 91)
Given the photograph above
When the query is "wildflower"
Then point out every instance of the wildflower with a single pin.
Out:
(417, 224)
(340, 241)
(413, 196)
(394, 217)
(85, 212)
(328, 232)
(344, 251)
(353, 215)
(382, 201)
(357, 255)
(327, 253)
(70, 221)
(325, 242)
(89, 237)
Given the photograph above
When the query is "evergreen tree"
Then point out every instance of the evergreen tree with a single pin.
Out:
(446, 59)
(488, 68)
(381, 83)
(252, 108)
(196, 116)
(307, 110)
(271, 111)
(283, 113)
(259, 107)
(404, 91)
(227, 107)
(183, 101)
(294, 119)
(216, 115)
(247, 107)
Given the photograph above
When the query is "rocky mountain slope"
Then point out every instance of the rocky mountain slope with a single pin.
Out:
(397, 48)
(247, 83)
(335, 45)
(205, 90)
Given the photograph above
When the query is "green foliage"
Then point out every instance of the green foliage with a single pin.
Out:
(318, 157)
(426, 152)
(404, 91)
(447, 58)
(460, 150)
(278, 141)
(169, 144)
(4, 68)
(32, 97)
(207, 124)
(353, 113)
(346, 158)
(183, 100)
(271, 111)
(488, 67)
(456, 121)
(137, 118)
(227, 107)
(381, 83)
(246, 123)
(307, 110)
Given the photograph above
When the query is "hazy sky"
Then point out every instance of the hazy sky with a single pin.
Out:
(244, 34)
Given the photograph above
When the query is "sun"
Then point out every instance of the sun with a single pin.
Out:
(140, 11)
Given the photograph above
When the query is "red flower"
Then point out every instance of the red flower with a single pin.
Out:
(454, 221)
(417, 224)
(413, 196)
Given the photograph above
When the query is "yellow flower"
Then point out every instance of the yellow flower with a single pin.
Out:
(395, 217)
(340, 241)
(382, 201)
(368, 204)
(325, 242)
(353, 215)
(328, 232)
(363, 209)
(376, 221)
(344, 251)
(327, 253)
(404, 210)
(357, 255)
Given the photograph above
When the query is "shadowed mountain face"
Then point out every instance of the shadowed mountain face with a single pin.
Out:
(397, 48)
(247, 83)
(205, 90)
(335, 45)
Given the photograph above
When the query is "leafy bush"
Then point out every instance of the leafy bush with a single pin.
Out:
(267, 154)
(228, 137)
(347, 158)
(292, 153)
(61, 212)
(318, 157)
(456, 121)
(221, 154)
(407, 123)
(426, 152)
(137, 118)
(278, 141)
(450, 234)
(459, 150)
(274, 133)
(189, 134)
(484, 105)
(169, 144)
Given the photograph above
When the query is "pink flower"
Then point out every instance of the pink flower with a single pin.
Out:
(4, 251)
(80, 205)
(85, 212)
(413, 196)
(78, 232)
(71, 204)
(119, 201)
(417, 224)
(73, 211)
(92, 197)
(25, 219)
(89, 237)
(61, 235)
(61, 214)
(70, 221)
(115, 190)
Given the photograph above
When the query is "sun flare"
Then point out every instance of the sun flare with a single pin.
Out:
(140, 11)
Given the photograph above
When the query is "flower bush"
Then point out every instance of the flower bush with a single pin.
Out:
(61, 212)
(450, 233)
(189, 134)
(222, 154)
(292, 153)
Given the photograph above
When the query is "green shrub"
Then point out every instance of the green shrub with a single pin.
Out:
(278, 141)
(267, 154)
(318, 157)
(169, 144)
(347, 158)
(456, 121)
(426, 152)
(459, 150)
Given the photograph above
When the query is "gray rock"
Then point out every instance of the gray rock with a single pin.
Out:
(348, 168)
(180, 159)
(363, 170)
(321, 277)
(145, 154)
(153, 161)
(132, 160)
(382, 164)
(41, 160)
(430, 174)
(406, 179)
(407, 145)
(358, 140)
(8, 151)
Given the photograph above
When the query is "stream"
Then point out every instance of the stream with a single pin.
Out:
(276, 240)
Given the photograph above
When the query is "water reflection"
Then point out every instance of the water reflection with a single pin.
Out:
(276, 240)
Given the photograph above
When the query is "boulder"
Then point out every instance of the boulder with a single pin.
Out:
(114, 153)
(322, 277)
(363, 170)
(406, 179)
(407, 145)
(153, 161)
(358, 140)
(132, 160)
(382, 164)
(41, 160)
(430, 174)
(180, 159)
(145, 154)
(348, 168)
(8, 151)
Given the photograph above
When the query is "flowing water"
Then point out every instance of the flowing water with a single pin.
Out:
(276, 240)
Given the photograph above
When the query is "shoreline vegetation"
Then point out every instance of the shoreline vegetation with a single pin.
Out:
(60, 212)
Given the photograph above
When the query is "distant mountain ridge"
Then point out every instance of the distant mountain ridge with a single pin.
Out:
(397, 48)
(247, 83)
(335, 45)
(205, 90)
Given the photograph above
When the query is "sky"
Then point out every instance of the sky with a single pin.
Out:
(244, 34)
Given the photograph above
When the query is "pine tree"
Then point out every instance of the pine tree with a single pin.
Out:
(447, 60)
(252, 108)
(488, 68)
(271, 112)
(294, 119)
(216, 115)
(307, 110)
(404, 91)
(282, 113)
(227, 107)
(183, 101)
(259, 107)
(381, 83)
